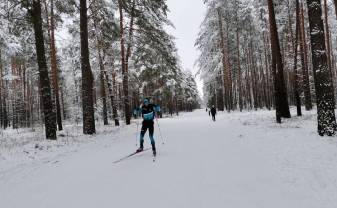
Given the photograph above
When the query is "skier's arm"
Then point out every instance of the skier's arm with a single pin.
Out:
(154, 108)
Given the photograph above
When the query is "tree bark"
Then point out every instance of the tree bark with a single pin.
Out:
(281, 98)
(87, 76)
(304, 60)
(49, 115)
(296, 80)
(2, 97)
(102, 72)
(323, 82)
(327, 43)
(126, 53)
(238, 61)
(54, 69)
(226, 93)
(102, 86)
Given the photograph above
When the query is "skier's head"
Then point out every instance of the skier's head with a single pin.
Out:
(146, 101)
(213, 106)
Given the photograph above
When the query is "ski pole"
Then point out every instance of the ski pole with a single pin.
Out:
(137, 133)
(161, 136)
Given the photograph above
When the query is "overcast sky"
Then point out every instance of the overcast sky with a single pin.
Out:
(187, 16)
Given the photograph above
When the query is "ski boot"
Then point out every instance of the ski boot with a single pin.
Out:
(141, 148)
(154, 150)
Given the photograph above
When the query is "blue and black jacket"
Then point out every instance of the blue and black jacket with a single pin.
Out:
(148, 112)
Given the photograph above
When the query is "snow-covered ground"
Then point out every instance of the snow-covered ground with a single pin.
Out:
(244, 160)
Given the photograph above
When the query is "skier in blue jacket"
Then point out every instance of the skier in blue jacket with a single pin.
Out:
(148, 115)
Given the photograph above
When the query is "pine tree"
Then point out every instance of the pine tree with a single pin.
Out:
(87, 76)
(296, 78)
(125, 55)
(281, 98)
(53, 57)
(304, 60)
(323, 82)
(49, 115)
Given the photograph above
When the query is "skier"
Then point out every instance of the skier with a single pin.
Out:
(213, 112)
(148, 114)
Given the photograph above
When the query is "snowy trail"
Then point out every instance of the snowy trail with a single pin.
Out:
(232, 163)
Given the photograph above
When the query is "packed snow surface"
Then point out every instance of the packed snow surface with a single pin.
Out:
(243, 160)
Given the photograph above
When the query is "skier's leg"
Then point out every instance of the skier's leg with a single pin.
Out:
(153, 143)
(142, 134)
(151, 133)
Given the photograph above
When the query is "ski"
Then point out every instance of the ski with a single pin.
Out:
(130, 155)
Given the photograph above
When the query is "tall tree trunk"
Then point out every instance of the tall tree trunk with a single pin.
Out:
(327, 43)
(281, 98)
(49, 115)
(327, 34)
(126, 53)
(333, 68)
(2, 97)
(64, 111)
(323, 83)
(113, 95)
(304, 60)
(238, 57)
(266, 60)
(224, 63)
(53, 60)
(87, 76)
(5, 111)
(229, 70)
(102, 86)
(25, 97)
(296, 80)
(14, 94)
(102, 73)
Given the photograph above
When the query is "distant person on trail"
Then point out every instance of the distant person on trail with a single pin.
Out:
(148, 115)
(213, 112)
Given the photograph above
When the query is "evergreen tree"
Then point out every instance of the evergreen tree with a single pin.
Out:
(87, 76)
(281, 99)
(49, 114)
(323, 82)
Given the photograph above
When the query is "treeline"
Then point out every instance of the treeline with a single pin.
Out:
(85, 61)
(270, 54)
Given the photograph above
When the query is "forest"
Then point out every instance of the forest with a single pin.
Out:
(87, 62)
(94, 61)
(271, 54)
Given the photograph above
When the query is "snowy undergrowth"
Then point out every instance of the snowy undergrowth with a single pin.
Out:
(20, 147)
